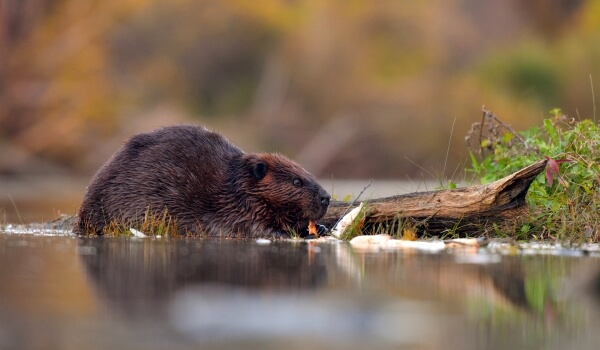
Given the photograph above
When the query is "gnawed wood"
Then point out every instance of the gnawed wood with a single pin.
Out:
(463, 210)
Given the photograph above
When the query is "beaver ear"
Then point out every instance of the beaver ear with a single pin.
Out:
(259, 170)
(257, 166)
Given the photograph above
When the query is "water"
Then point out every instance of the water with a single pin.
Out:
(62, 292)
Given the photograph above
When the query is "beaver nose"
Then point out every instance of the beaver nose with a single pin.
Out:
(324, 196)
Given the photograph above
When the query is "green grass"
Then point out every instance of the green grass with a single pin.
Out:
(356, 227)
(565, 199)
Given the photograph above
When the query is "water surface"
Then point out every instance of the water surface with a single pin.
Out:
(58, 291)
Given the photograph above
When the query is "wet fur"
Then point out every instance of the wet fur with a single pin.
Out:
(205, 183)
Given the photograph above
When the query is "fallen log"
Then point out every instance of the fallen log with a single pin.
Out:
(467, 210)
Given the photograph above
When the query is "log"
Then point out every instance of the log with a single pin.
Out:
(466, 210)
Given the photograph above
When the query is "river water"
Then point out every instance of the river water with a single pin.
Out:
(58, 291)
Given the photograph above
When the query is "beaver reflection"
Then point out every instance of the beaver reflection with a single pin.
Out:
(137, 272)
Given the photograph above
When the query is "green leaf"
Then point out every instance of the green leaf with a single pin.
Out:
(551, 130)
(507, 137)
(556, 112)
(474, 163)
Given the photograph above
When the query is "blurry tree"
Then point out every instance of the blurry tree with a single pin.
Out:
(348, 88)
(57, 94)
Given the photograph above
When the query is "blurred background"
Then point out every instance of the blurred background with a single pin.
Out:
(349, 89)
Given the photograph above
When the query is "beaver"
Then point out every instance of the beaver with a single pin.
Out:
(205, 184)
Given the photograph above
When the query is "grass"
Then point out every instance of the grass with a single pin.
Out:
(565, 201)
(356, 227)
(295, 235)
(151, 225)
(12, 201)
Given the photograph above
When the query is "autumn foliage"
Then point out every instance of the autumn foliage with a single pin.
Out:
(350, 89)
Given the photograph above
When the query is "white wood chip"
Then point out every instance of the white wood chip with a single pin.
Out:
(263, 241)
(137, 233)
(346, 221)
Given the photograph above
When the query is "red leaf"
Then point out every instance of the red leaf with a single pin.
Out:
(549, 179)
(552, 168)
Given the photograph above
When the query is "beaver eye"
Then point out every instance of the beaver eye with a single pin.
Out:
(297, 182)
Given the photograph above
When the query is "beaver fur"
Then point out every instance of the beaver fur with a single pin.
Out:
(207, 185)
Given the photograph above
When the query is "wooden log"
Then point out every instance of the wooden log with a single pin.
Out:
(464, 210)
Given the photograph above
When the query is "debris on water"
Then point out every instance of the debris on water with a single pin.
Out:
(263, 241)
(549, 248)
(591, 247)
(376, 242)
(319, 240)
(34, 229)
(369, 241)
(461, 242)
(472, 246)
(346, 221)
(464, 245)
(137, 233)
(429, 246)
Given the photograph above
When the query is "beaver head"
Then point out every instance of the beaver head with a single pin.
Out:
(287, 194)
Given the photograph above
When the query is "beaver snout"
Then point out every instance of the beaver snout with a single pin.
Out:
(324, 197)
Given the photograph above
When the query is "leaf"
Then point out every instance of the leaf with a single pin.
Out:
(409, 234)
(553, 168)
(507, 137)
(551, 130)
(474, 163)
(549, 179)
(556, 112)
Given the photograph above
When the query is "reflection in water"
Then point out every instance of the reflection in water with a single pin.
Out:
(134, 272)
(227, 290)
(66, 292)
(129, 271)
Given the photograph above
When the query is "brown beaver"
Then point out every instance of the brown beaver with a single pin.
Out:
(206, 184)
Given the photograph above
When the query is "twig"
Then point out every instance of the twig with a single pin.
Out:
(481, 129)
(16, 209)
(490, 115)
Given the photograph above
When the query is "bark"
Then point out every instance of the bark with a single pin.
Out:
(467, 210)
